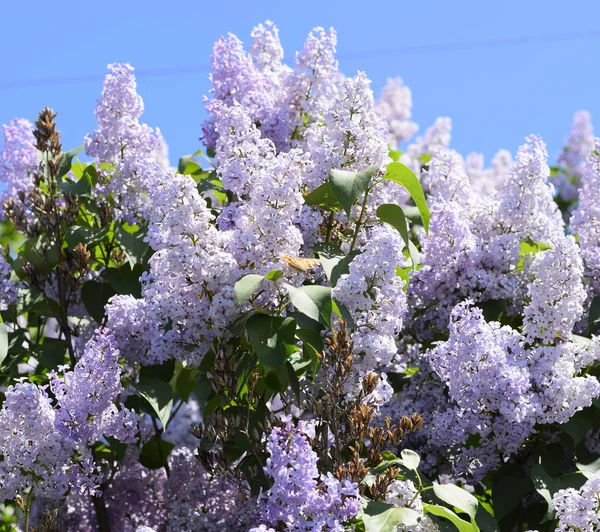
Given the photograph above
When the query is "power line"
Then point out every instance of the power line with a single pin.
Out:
(475, 45)
(186, 70)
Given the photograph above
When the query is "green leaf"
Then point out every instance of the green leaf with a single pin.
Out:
(125, 280)
(342, 311)
(510, 487)
(394, 215)
(211, 405)
(403, 274)
(41, 253)
(84, 186)
(245, 287)
(273, 338)
(312, 345)
(381, 517)
(529, 246)
(53, 353)
(183, 161)
(442, 511)
(457, 497)
(132, 244)
(163, 372)
(313, 300)
(395, 154)
(493, 308)
(186, 382)
(77, 169)
(159, 395)
(95, 296)
(546, 486)
(404, 176)
(3, 342)
(594, 316)
(589, 470)
(155, 453)
(334, 261)
(409, 459)
(578, 426)
(572, 480)
(203, 390)
(347, 186)
(66, 159)
(90, 236)
(45, 307)
(323, 197)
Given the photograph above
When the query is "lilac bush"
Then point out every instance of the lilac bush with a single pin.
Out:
(315, 322)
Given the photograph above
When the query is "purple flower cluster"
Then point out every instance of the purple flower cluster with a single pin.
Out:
(188, 499)
(17, 158)
(578, 509)
(395, 105)
(301, 498)
(585, 220)
(572, 161)
(44, 442)
(187, 300)
(124, 143)
(374, 296)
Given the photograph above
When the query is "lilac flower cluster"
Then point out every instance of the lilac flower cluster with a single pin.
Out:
(44, 443)
(17, 158)
(578, 509)
(8, 287)
(374, 295)
(262, 225)
(585, 220)
(85, 396)
(300, 497)
(572, 161)
(404, 494)
(482, 236)
(502, 383)
(188, 499)
(124, 143)
(395, 105)
(188, 298)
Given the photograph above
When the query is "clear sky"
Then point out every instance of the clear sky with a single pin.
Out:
(501, 69)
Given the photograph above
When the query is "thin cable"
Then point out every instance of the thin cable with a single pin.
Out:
(389, 52)
(474, 45)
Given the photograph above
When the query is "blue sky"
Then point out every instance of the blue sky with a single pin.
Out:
(495, 94)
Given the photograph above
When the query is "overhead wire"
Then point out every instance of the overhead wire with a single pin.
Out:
(358, 54)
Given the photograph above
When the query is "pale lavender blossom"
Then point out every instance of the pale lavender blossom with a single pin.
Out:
(262, 225)
(446, 178)
(578, 509)
(86, 395)
(557, 295)
(403, 494)
(34, 453)
(527, 208)
(351, 134)
(572, 160)
(189, 288)
(585, 221)
(374, 296)
(301, 498)
(123, 142)
(8, 287)
(133, 326)
(17, 158)
(395, 105)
